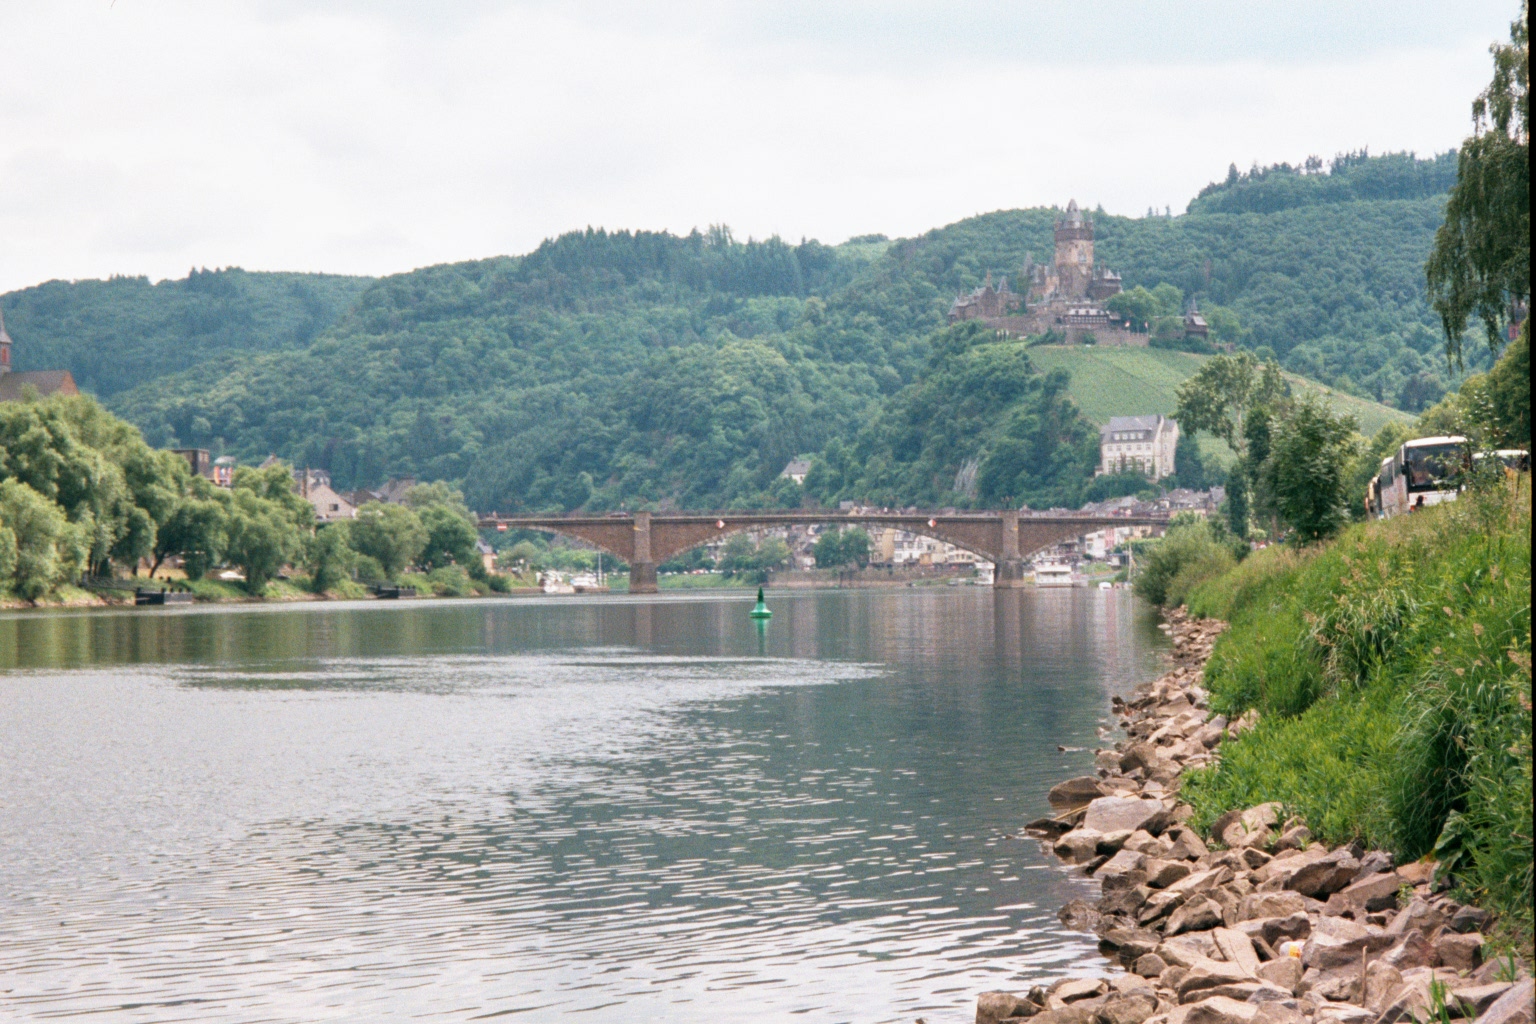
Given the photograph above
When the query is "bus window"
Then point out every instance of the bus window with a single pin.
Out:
(1431, 467)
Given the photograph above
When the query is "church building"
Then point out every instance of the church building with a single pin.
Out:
(14, 384)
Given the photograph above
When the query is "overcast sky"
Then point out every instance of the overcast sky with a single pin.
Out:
(373, 136)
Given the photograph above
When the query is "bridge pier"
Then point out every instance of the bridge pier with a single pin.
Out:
(1009, 574)
(642, 569)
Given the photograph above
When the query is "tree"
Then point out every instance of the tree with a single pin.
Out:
(753, 561)
(260, 537)
(1237, 500)
(1509, 391)
(450, 539)
(195, 531)
(40, 549)
(1138, 307)
(1481, 261)
(837, 548)
(1220, 396)
(328, 556)
(392, 535)
(1189, 468)
(1307, 470)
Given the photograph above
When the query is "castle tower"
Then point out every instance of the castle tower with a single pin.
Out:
(1074, 253)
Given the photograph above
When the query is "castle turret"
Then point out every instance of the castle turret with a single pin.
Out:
(5, 346)
(1074, 253)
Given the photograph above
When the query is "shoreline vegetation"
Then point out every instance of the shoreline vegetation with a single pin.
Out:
(1322, 811)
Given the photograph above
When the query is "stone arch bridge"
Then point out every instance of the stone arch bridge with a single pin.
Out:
(644, 539)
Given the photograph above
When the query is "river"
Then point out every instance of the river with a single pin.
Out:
(575, 809)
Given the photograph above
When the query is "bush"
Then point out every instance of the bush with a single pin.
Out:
(1194, 549)
(1392, 673)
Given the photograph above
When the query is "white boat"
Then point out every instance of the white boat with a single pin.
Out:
(985, 574)
(554, 583)
(1053, 574)
(588, 583)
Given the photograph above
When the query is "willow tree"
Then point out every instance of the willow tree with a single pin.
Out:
(1481, 262)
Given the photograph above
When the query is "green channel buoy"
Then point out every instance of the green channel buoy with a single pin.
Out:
(761, 609)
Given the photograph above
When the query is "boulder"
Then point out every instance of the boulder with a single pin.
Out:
(1324, 876)
(1196, 915)
(1138, 755)
(1113, 813)
(1128, 1007)
(1072, 990)
(1382, 982)
(1123, 898)
(1284, 972)
(1187, 845)
(1513, 1007)
(1074, 793)
(1149, 965)
(1221, 1010)
(1122, 863)
(1200, 881)
(1276, 1011)
(1078, 846)
(1343, 1013)
(1208, 974)
(1470, 919)
(1294, 838)
(1419, 872)
(1169, 980)
(1476, 999)
(1132, 943)
(1339, 984)
(1459, 952)
(1271, 904)
(1163, 873)
(1158, 905)
(1237, 948)
(1244, 990)
(1251, 827)
(1372, 893)
(1410, 951)
(1079, 916)
(1338, 942)
(1419, 915)
(1111, 842)
(1275, 930)
(1145, 842)
(1066, 1015)
(995, 1007)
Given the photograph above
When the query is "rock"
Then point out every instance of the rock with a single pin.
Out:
(1382, 982)
(1188, 950)
(1371, 893)
(1282, 973)
(1066, 1015)
(1208, 974)
(1277, 1011)
(1294, 838)
(1476, 999)
(1221, 1010)
(1470, 919)
(1079, 916)
(1078, 846)
(1343, 1013)
(1122, 863)
(1200, 881)
(1420, 872)
(1513, 1007)
(1072, 990)
(1238, 949)
(995, 1007)
(1419, 915)
(1149, 965)
(1074, 793)
(1223, 822)
(1244, 990)
(1158, 905)
(1132, 943)
(1288, 862)
(1459, 952)
(1107, 760)
(1271, 904)
(1145, 842)
(1251, 827)
(1339, 984)
(1163, 873)
(1323, 876)
(1128, 1008)
(1111, 842)
(1412, 950)
(1112, 814)
(1196, 915)
(1337, 942)
(1122, 898)
(1255, 858)
(1276, 930)
(1373, 863)
(1187, 846)
(1171, 978)
(1138, 755)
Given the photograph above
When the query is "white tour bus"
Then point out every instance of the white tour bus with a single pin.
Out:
(1424, 472)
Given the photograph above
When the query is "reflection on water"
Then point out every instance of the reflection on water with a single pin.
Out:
(606, 809)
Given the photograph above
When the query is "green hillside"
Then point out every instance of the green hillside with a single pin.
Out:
(609, 369)
(1142, 381)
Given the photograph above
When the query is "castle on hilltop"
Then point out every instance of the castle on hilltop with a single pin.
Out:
(1064, 295)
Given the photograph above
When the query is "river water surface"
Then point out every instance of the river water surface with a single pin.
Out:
(577, 809)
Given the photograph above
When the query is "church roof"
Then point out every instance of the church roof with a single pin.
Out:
(45, 382)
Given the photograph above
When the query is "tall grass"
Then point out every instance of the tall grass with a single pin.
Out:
(1391, 670)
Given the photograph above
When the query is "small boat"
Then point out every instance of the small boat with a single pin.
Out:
(588, 583)
(554, 583)
(143, 596)
(1053, 574)
(761, 609)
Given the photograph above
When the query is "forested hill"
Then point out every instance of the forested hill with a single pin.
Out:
(118, 333)
(607, 368)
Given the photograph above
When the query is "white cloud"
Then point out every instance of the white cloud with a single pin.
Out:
(141, 137)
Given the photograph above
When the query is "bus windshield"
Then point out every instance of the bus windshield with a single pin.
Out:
(1431, 467)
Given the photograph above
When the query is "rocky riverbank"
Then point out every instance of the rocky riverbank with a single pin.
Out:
(1252, 923)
